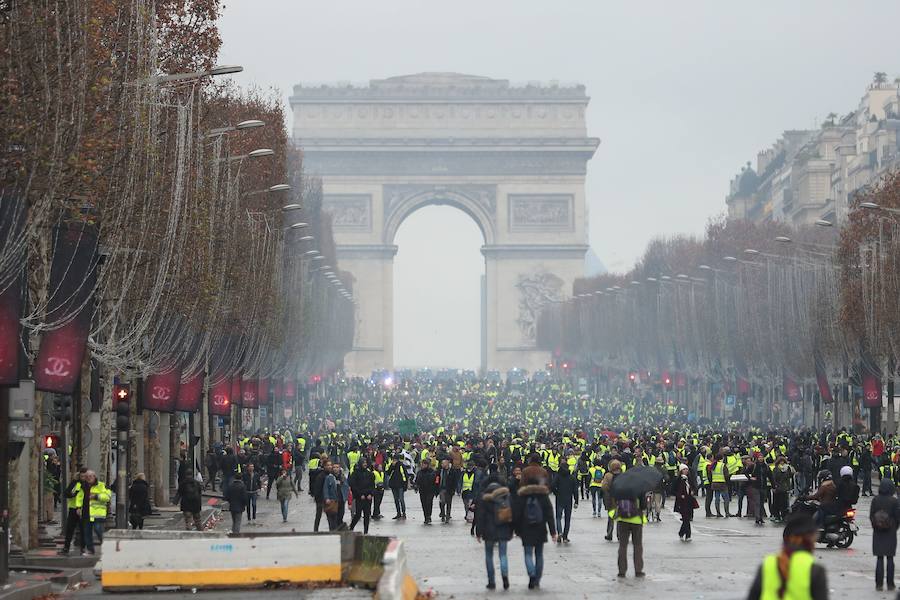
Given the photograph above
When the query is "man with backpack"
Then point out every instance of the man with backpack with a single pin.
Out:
(532, 518)
(493, 525)
(885, 517)
(630, 516)
(565, 488)
(595, 474)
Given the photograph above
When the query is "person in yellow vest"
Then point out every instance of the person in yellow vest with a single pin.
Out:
(719, 476)
(378, 472)
(792, 574)
(92, 501)
(630, 516)
(353, 456)
(595, 476)
(74, 499)
(468, 482)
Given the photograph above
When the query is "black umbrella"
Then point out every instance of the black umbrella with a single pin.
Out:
(636, 482)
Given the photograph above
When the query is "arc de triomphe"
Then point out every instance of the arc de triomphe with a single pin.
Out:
(513, 158)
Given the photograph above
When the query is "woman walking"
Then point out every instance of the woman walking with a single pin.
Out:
(685, 503)
(532, 517)
(493, 526)
(885, 516)
(284, 489)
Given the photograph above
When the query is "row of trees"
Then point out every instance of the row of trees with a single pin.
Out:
(153, 221)
(760, 302)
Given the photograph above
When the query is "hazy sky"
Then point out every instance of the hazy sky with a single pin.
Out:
(682, 93)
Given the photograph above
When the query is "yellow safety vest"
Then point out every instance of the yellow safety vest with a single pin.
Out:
(78, 499)
(301, 444)
(352, 459)
(553, 461)
(701, 466)
(468, 480)
(314, 463)
(799, 580)
(592, 472)
(718, 473)
(98, 504)
(379, 478)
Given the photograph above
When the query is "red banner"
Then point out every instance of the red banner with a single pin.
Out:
(743, 387)
(220, 398)
(791, 389)
(161, 390)
(190, 393)
(236, 390)
(279, 389)
(10, 309)
(72, 277)
(263, 394)
(290, 389)
(871, 385)
(822, 381)
(249, 393)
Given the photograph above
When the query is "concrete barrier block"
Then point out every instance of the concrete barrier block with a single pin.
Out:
(200, 560)
(396, 583)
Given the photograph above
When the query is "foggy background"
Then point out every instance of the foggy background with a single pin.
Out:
(682, 95)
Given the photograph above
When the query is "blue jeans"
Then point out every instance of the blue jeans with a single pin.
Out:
(284, 508)
(534, 560)
(562, 525)
(399, 500)
(597, 500)
(489, 559)
(251, 506)
(89, 531)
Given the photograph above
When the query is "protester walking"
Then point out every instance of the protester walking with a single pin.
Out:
(532, 518)
(284, 491)
(362, 485)
(236, 496)
(448, 486)
(73, 496)
(565, 488)
(685, 502)
(138, 501)
(190, 499)
(334, 494)
(94, 501)
(615, 469)
(398, 481)
(493, 526)
(630, 516)
(426, 487)
(884, 514)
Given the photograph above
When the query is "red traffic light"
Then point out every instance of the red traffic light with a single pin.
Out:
(122, 393)
(632, 376)
(51, 440)
(565, 365)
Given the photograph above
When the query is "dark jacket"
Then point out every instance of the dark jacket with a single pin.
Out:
(884, 542)
(362, 482)
(533, 534)
(486, 525)
(253, 483)
(449, 479)
(396, 476)
(139, 498)
(684, 500)
(425, 481)
(236, 495)
(190, 494)
(565, 487)
(317, 488)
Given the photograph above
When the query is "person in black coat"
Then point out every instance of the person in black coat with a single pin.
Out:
(448, 485)
(884, 526)
(253, 483)
(426, 486)
(565, 488)
(492, 531)
(532, 518)
(362, 484)
(685, 503)
(236, 496)
(317, 490)
(398, 480)
(138, 501)
(191, 498)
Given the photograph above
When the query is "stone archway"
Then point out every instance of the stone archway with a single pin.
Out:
(512, 158)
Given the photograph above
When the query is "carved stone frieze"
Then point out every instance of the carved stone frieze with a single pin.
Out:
(541, 211)
(536, 290)
(484, 196)
(349, 211)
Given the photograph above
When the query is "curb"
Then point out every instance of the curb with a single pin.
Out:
(25, 590)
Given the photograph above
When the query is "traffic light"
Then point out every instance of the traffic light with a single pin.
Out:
(632, 377)
(51, 440)
(122, 398)
(62, 407)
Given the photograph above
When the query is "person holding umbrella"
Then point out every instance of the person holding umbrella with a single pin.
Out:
(629, 491)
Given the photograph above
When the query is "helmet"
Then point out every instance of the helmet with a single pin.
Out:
(846, 471)
(824, 475)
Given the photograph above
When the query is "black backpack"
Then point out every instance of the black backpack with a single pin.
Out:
(882, 521)
(534, 514)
